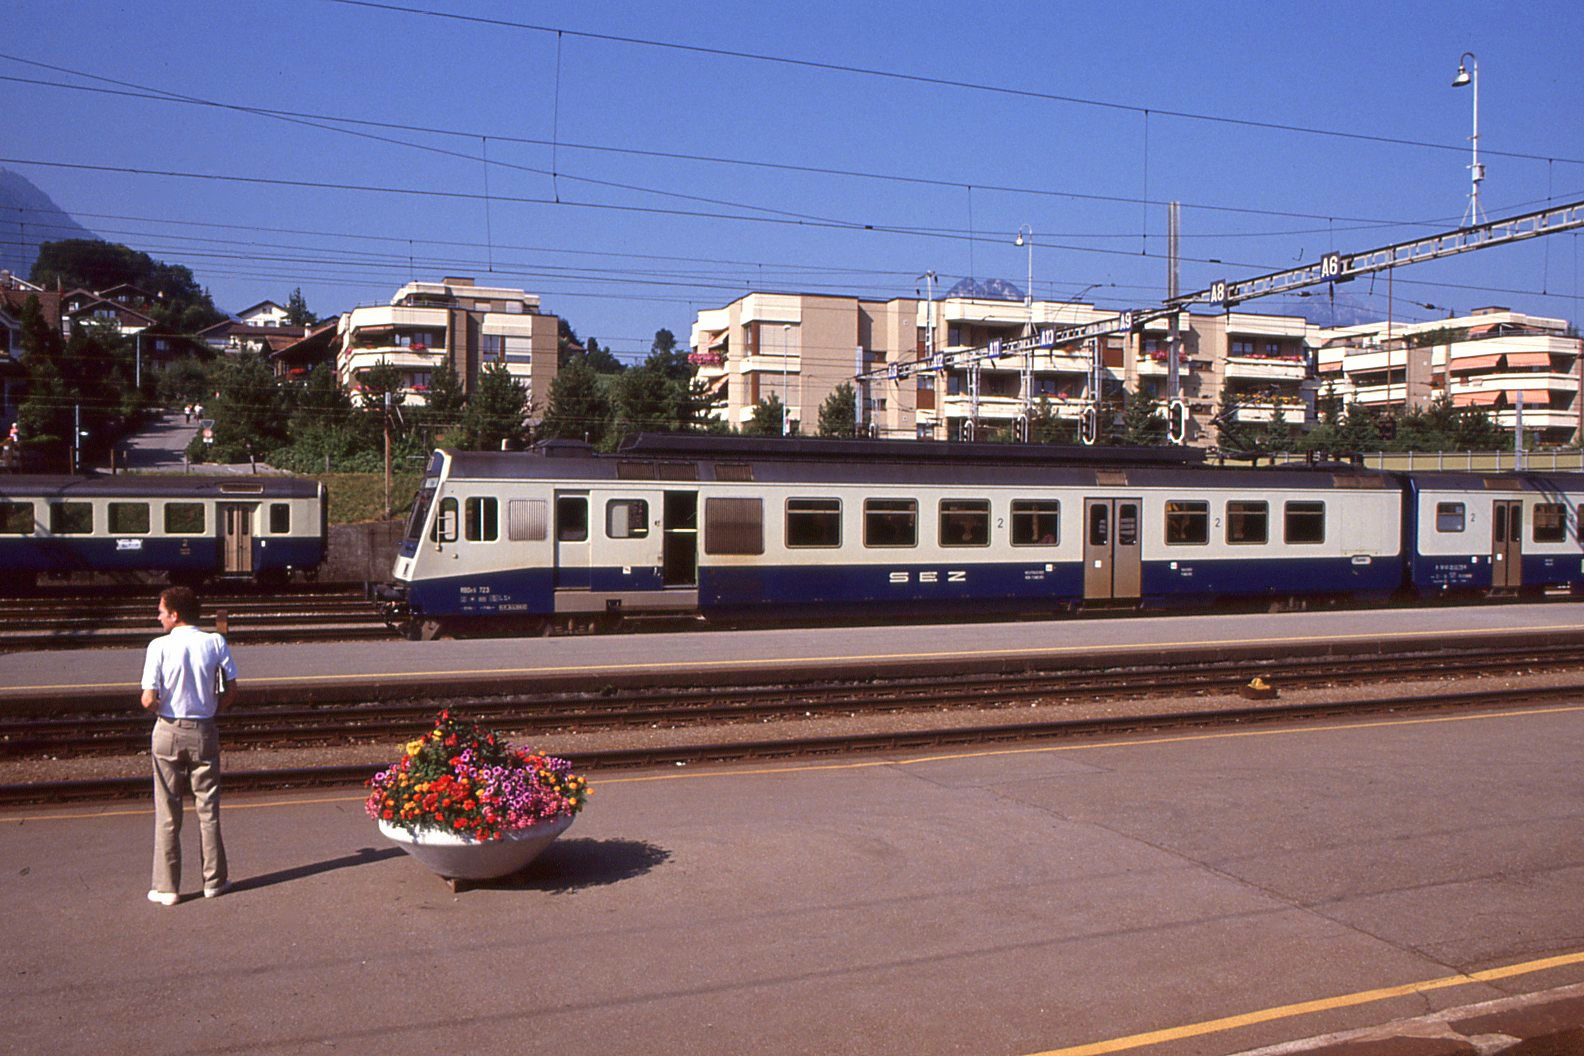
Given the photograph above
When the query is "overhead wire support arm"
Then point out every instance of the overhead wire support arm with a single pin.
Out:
(1333, 267)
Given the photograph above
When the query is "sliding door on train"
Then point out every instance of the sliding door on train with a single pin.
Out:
(1112, 564)
(1506, 544)
(236, 536)
(573, 551)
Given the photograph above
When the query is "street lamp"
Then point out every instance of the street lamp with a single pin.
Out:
(1476, 170)
(786, 393)
(1028, 291)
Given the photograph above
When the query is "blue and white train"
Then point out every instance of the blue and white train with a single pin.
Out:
(191, 528)
(561, 538)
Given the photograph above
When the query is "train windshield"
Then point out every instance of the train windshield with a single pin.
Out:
(420, 510)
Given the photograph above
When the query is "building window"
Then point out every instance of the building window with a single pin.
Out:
(493, 348)
(1305, 522)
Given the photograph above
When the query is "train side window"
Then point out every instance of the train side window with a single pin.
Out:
(1550, 522)
(626, 518)
(1305, 522)
(890, 522)
(71, 518)
(1036, 522)
(129, 518)
(445, 526)
(571, 519)
(733, 526)
(280, 518)
(964, 522)
(184, 518)
(481, 519)
(526, 520)
(1247, 522)
(1187, 522)
(813, 522)
(1450, 517)
(16, 518)
(1099, 525)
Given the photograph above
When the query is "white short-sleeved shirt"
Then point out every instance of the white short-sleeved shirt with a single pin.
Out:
(180, 667)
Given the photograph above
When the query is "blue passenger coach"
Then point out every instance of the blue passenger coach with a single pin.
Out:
(189, 527)
(563, 538)
(1495, 533)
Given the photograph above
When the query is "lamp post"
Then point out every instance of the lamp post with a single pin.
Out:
(786, 393)
(1028, 291)
(1476, 170)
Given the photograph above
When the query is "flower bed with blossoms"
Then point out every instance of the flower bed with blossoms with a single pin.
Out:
(464, 780)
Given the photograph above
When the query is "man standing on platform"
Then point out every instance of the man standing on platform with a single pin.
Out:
(188, 675)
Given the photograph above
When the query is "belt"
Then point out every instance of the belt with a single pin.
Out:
(186, 724)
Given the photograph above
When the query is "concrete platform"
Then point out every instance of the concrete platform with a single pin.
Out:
(1188, 894)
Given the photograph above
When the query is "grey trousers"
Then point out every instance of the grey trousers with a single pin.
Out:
(186, 754)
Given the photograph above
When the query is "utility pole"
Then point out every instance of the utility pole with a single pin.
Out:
(1176, 413)
(387, 455)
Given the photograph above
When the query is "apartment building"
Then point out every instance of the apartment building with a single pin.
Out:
(800, 347)
(454, 320)
(1506, 362)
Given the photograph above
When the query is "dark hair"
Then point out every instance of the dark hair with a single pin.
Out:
(182, 602)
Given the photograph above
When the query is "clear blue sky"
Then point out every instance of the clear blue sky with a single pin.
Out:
(621, 242)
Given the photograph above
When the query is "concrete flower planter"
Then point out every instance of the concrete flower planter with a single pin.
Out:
(462, 858)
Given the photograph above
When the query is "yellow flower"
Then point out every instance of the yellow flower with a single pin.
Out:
(414, 747)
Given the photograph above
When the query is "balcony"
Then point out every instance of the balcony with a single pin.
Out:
(1292, 413)
(1259, 368)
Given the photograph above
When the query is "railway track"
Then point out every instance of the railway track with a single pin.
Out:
(124, 617)
(61, 732)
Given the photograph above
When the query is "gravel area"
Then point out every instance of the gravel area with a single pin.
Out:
(379, 754)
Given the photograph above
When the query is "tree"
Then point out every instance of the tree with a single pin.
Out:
(645, 400)
(1046, 428)
(297, 313)
(837, 415)
(444, 402)
(247, 412)
(769, 417)
(1142, 424)
(601, 360)
(578, 407)
(497, 412)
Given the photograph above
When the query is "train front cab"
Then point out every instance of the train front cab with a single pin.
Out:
(1495, 535)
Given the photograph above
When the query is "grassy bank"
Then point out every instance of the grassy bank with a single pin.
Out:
(359, 497)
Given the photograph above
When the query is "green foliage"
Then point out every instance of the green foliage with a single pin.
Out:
(297, 313)
(444, 403)
(1445, 427)
(497, 412)
(768, 417)
(184, 381)
(248, 412)
(1046, 428)
(1142, 423)
(837, 415)
(578, 407)
(601, 359)
(643, 399)
(84, 383)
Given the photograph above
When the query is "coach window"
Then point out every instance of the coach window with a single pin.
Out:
(1449, 517)
(1247, 522)
(571, 519)
(184, 518)
(16, 518)
(280, 518)
(813, 522)
(481, 519)
(129, 518)
(890, 522)
(1187, 523)
(626, 518)
(964, 522)
(1305, 522)
(733, 526)
(71, 518)
(1035, 522)
(445, 525)
(1550, 522)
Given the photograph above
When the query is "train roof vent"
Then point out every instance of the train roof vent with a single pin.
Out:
(1357, 480)
(242, 488)
(1117, 477)
(734, 471)
(628, 469)
(676, 470)
(1503, 484)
